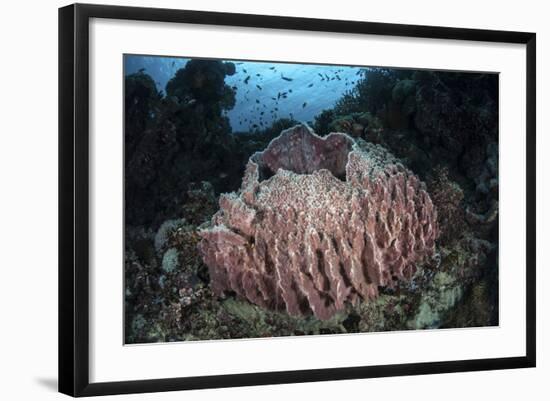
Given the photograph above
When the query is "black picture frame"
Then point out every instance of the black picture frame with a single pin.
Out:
(74, 198)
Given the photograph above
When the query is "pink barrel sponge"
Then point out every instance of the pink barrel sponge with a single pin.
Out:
(318, 223)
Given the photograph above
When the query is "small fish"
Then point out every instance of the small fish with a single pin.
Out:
(257, 101)
(246, 80)
(321, 75)
(304, 105)
(255, 125)
(173, 64)
(290, 91)
(338, 77)
(259, 87)
(283, 94)
(358, 72)
(273, 98)
(310, 85)
(223, 175)
(244, 70)
(141, 70)
(262, 113)
(286, 78)
(271, 68)
(327, 77)
(257, 75)
(234, 88)
(278, 95)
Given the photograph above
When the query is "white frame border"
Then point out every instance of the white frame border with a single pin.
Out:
(110, 361)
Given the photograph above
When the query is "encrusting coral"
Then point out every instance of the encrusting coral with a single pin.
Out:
(318, 223)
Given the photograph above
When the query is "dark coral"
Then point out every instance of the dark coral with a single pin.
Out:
(429, 118)
(177, 139)
(204, 82)
(448, 198)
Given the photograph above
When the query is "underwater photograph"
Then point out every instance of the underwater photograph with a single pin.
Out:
(271, 199)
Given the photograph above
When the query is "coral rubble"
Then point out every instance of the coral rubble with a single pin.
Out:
(317, 224)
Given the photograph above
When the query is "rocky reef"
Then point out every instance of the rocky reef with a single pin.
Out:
(318, 223)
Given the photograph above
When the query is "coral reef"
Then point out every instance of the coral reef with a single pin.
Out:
(429, 118)
(443, 295)
(181, 153)
(319, 223)
(177, 139)
(447, 197)
(455, 288)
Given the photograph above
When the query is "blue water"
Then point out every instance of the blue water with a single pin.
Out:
(311, 88)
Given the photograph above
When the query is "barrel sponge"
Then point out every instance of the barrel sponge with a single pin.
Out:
(318, 222)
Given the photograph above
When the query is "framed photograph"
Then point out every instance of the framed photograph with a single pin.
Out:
(252, 199)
